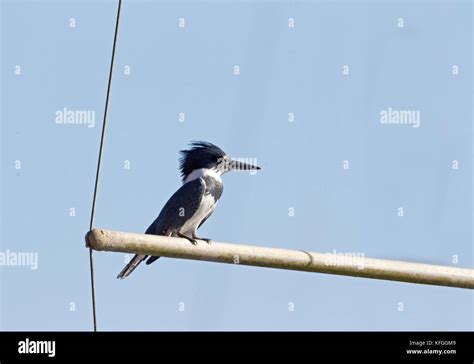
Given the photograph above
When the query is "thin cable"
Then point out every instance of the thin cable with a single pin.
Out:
(104, 124)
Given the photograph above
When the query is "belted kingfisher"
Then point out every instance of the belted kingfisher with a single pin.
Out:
(191, 205)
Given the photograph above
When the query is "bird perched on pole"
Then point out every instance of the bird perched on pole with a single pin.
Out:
(191, 205)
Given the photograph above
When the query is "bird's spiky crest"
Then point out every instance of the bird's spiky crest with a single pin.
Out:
(200, 155)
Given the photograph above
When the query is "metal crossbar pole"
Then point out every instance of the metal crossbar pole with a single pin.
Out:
(300, 260)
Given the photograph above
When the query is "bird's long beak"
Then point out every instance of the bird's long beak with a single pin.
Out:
(238, 165)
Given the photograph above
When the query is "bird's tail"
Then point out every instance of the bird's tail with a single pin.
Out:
(130, 267)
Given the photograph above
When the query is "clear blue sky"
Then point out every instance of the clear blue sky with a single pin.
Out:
(282, 70)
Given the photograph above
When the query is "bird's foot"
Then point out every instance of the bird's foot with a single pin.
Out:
(209, 241)
(191, 240)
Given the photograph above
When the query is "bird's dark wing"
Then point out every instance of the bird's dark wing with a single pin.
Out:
(179, 208)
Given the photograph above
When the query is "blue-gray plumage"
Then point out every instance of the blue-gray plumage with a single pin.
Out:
(191, 205)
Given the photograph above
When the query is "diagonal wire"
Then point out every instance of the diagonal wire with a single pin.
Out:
(104, 124)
